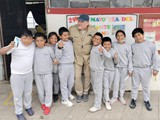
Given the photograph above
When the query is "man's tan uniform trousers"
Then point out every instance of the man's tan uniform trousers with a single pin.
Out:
(82, 47)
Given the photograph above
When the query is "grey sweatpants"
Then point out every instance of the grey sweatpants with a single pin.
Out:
(96, 81)
(56, 84)
(21, 85)
(119, 81)
(107, 83)
(143, 76)
(44, 84)
(66, 76)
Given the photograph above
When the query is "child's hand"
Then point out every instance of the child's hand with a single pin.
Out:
(56, 62)
(155, 72)
(100, 49)
(130, 74)
(115, 56)
(60, 44)
(11, 45)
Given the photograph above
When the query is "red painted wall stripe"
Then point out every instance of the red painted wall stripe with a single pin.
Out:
(101, 10)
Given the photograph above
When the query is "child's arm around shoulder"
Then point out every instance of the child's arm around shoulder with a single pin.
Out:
(104, 52)
(6, 49)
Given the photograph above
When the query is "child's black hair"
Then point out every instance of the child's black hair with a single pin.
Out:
(99, 34)
(137, 30)
(27, 33)
(106, 39)
(121, 32)
(39, 34)
(62, 30)
(53, 33)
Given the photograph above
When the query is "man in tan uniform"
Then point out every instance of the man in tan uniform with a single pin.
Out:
(82, 36)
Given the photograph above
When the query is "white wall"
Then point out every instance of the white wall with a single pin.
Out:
(54, 22)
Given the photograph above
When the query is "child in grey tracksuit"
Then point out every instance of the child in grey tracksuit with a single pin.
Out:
(109, 70)
(97, 56)
(53, 39)
(65, 55)
(144, 55)
(124, 67)
(43, 66)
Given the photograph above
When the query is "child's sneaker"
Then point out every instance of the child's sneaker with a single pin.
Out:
(71, 97)
(47, 111)
(94, 109)
(43, 106)
(67, 103)
(133, 104)
(122, 100)
(108, 106)
(113, 100)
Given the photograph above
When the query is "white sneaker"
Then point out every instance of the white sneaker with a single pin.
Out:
(113, 100)
(108, 106)
(71, 97)
(67, 103)
(122, 100)
(94, 109)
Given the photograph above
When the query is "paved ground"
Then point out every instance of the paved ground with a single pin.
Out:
(80, 111)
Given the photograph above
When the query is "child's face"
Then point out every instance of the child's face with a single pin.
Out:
(53, 39)
(26, 40)
(65, 36)
(107, 45)
(97, 40)
(40, 42)
(120, 36)
(139, 37)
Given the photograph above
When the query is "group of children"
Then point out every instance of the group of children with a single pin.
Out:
(110, 64)
(115, 63)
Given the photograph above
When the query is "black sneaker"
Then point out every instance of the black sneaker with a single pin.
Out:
(78, 98)
(85, 97)
(55, 97)
(21, 117)
(30, 111)
(133, 104)
(148, 106)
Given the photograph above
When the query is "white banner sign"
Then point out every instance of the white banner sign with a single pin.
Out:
(109, 24)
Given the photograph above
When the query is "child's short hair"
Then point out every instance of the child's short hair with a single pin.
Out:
(137, 30)
(99, 34)
(62, 30)
(106, 39)
(53, 33)
(39, 34)
(27, 33)
(121, 32)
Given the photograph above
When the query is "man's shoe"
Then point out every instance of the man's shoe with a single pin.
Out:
(43, 106)
(85, 97)
(148, 106)
(55, 97)
(21, 117)
(30, 111)
(133, 104)
(47, 110)
(78, 98)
